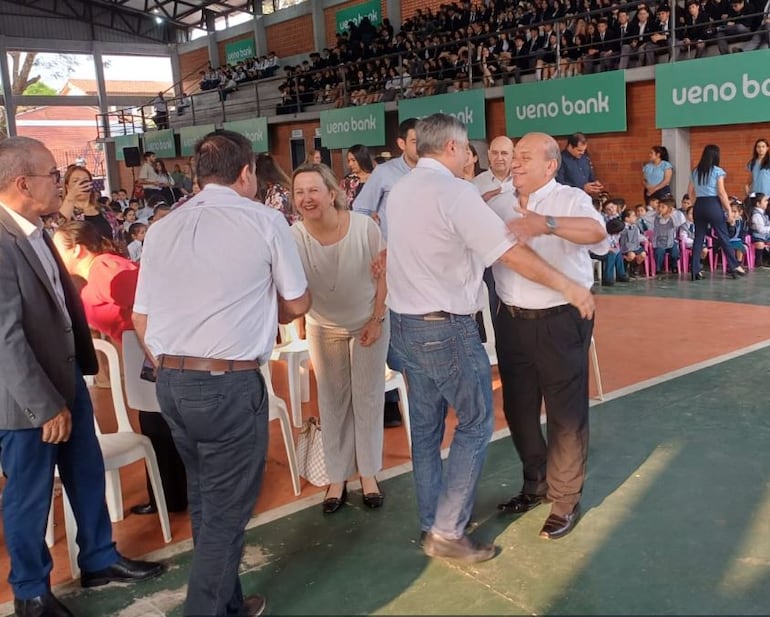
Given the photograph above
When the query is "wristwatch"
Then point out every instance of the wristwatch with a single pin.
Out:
(550, 224)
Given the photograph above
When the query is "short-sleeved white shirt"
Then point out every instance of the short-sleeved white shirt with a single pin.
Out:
(569, 258)
(210, 273)
(148, 173)
(441, 236)
(487, 181)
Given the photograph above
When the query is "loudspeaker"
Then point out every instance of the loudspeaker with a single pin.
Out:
(132, 157)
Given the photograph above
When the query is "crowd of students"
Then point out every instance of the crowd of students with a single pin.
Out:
(659, 236)
(497, 42)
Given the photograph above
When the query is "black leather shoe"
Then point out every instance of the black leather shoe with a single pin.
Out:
(123, 571)
(332, 504)
(374, 500)
(464, 549)
(523, 502)
(697, 277)
(41, 606)
(556, 526)
(145, 508)
(253, 606)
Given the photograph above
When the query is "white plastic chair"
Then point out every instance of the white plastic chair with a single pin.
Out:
(597, 374)
(118, 450)
(489, 330)
(395, 381)
(294, 351)
(279, 412)
(140, 393)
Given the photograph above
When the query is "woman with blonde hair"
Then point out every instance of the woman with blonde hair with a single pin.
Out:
(348, 330)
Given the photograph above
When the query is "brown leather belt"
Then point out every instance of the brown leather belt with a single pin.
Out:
(522, 313)
(215, 365)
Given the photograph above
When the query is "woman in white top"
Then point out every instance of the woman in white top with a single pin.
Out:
(348, 330)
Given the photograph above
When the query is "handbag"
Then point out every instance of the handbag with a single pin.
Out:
(310, 453)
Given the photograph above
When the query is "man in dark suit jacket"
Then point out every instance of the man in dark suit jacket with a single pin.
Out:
(46, 417)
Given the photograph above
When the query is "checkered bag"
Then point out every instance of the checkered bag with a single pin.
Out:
(310, 453)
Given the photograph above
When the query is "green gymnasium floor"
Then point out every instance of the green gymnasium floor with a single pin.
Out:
(676, 515)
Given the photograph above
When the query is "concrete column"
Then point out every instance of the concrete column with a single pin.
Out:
(319, 26)
(394, 13)
(176, 70)
(677, 141)
(5, 79)
(211, 38)
(260, 36)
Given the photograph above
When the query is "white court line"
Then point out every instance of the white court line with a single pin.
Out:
(312, 500)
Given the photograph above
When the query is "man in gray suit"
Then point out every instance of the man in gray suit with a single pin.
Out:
(46, 417)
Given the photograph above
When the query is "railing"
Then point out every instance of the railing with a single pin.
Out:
(212, 106)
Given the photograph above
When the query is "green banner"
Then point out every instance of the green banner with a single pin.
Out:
(590, 104)
(342, 128)
(189, 136)
(253, 129)
(161, 143)
(125, 141)
(239, 50)
(371, 9)
(468, 107)
(732, 89)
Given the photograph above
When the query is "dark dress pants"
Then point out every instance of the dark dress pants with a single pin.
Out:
(28, 464)
(219, 425)
(708, 211)
(547, 359)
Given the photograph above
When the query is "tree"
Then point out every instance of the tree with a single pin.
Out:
(26, 68)
(40, 89)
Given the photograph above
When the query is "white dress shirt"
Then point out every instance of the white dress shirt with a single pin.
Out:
(34, 233)
(487, 181)
(569, 258)
(148, 173)
(211, 271)
(441, 237)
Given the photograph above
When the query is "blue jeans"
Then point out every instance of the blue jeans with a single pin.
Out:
(29, 464)
(445, 365)
(613, 265)
(219, 425)
(660, 256)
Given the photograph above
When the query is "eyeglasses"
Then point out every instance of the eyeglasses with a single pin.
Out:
(56, 175)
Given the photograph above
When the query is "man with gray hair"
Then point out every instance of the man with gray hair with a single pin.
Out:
(442, 234)
(542, 341)
(46, 417)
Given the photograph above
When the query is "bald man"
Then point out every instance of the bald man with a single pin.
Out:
(542, 342)
(497, 178)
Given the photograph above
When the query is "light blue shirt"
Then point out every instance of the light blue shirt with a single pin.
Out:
(374, 196)
(709, 187)
(654, 174)
(760, 178)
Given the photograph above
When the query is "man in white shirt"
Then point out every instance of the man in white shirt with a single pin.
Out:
(209, 321)
(542, 341)
(497, 178)
(148, 177)
(442, 234)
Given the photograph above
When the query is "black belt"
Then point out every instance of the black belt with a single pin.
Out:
(216, 365)
(522, 313)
